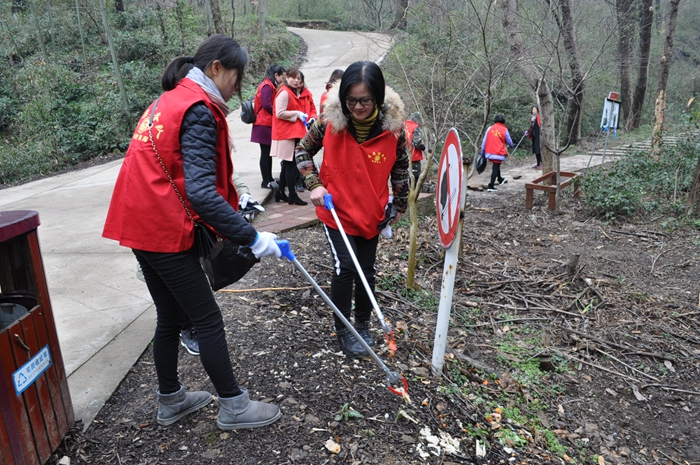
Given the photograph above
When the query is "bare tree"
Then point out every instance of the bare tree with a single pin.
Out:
(534, 77)
(216, 15)
(115, 62)
(666, 55)
(401, 13)
(694, 193)
(625, 26)
(578, 83)
(646, 21)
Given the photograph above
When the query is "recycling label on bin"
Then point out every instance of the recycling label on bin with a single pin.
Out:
(30, 371)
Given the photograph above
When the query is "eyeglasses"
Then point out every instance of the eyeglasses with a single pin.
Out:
(364, 101)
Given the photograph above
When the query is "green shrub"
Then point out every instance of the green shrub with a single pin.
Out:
(642, 182)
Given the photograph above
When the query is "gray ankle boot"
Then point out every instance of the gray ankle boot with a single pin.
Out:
(241, 412)
(172, 407)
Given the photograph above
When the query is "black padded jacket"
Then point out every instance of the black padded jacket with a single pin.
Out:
(198, 144)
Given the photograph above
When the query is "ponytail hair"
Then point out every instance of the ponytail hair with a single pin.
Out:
(215, 47)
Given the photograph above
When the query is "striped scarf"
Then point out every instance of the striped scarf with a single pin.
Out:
(362, 127)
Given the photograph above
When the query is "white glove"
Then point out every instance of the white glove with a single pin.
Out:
(265, 245)
(243, 201)
(386, 232)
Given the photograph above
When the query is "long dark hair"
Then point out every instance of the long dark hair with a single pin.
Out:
(272, 70)
(366, 72)
(215, 47)
(336, 75)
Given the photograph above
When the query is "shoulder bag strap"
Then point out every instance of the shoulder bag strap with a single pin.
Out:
(167, 173)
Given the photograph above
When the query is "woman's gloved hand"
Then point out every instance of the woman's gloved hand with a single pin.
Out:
(265, 245)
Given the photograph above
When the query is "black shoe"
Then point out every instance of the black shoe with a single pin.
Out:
(350, 345)
(362, 328)
(269, 185)
(300, 186)
(490, 188)
(296, 201)
(281, 196)
(502, 181)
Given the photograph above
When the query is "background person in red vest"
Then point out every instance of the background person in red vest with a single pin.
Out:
(262, 127)
(159, 194)
(307, 101)
(414, 134)
(288, 126)
(336, 76)
(493, 147)
(362, 133)
(534, 134)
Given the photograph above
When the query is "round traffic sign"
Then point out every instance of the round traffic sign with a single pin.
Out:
(449, 188)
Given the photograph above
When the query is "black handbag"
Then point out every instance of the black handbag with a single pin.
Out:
(481, 163)
(223, 262)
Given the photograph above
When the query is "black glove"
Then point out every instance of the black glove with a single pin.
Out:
(390, 213)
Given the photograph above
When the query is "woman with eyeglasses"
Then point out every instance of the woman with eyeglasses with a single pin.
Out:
(362, 133)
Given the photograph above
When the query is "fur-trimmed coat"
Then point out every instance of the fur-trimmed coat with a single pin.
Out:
(391, 118)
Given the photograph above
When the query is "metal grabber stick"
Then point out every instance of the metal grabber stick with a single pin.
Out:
(392, 377)
(518, 144)
(388, 332)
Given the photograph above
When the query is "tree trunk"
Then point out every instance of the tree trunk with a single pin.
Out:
(117, 73)
(646, 21)
(578, 84)
(625, 27)
(400, 17)
(119, 6)
(262, 11)
(233, 17)
(534, 77)
(82, 35)
(694, 193)
(178, 15)
(37, 31)
(216, 15)
(666, 55)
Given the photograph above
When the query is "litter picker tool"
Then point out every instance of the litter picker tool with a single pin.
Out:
(392, 378)
(388, 332)
(518, 144)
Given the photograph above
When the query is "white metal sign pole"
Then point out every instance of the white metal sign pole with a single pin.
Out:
(450, 200)
(443, 321)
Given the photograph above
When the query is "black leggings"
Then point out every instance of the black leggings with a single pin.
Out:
(266, 164)
(345, 274)
(495, 173)
(180, 289)
(288, 177)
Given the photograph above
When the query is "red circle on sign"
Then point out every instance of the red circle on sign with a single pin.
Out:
(449, 188)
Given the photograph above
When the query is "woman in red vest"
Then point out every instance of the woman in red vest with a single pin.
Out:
(493, 147)
(309, 108)
(534, 134)
(288, 126)
(336, 76)
(362, 133)
(414, 134)
(262, 127)
(176, 171)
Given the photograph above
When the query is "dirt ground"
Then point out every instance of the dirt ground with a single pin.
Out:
(595, 362)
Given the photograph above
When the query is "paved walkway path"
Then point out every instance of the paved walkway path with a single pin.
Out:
(104, 315)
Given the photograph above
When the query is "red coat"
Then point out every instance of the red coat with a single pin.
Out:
(145, 212)
(416, 155)
(283, 129)
(307, 101)
(262, 116)
(357, 176)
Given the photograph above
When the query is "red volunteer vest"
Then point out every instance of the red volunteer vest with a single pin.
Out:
(416, 155)
(145, 212)
(262, 117)
(496, 139)
(283, 129)
(307, 101)
(357, 176)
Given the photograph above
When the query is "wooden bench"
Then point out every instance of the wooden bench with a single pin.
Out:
(538, 184)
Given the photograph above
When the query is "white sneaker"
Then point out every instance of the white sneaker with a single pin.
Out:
(502, 181)
(491, 189)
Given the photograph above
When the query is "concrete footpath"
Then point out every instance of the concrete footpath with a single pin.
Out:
(104, 315)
